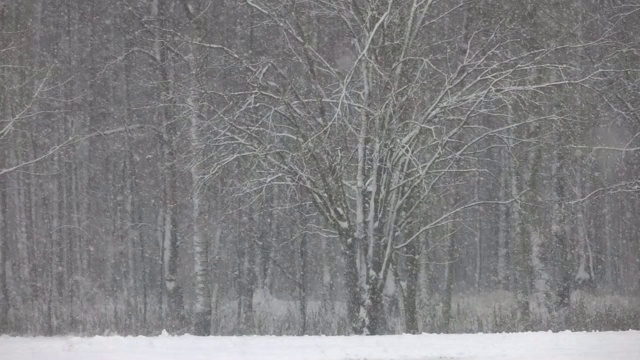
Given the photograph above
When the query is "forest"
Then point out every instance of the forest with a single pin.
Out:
(335, 167)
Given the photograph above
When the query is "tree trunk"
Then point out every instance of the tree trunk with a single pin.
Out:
(478, 234)
(202, 311)
(426, 280)
(410, 296)
(530, 269)
(352, 282)
(327, 259)
(5, 304)
(246, 287)
(175, 303)
(448, 285)
(559, 252)
(19, 204)
(374, 306)
(503, 225)
(303, 283)
(584, 273)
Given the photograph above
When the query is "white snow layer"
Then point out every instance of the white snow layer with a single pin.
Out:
(520, 346)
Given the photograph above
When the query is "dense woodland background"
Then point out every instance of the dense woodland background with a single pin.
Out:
(319, 166)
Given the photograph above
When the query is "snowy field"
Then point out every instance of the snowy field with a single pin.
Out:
(524, 346)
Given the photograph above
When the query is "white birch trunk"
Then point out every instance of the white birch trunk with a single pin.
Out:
(202, 311)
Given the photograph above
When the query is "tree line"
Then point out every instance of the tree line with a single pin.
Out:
(366, 165)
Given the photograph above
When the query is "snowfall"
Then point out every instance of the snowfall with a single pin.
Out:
(520, 346)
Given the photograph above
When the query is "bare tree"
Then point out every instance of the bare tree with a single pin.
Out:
(364, 139)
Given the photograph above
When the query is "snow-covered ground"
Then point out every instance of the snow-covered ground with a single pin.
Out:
(529, 346)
